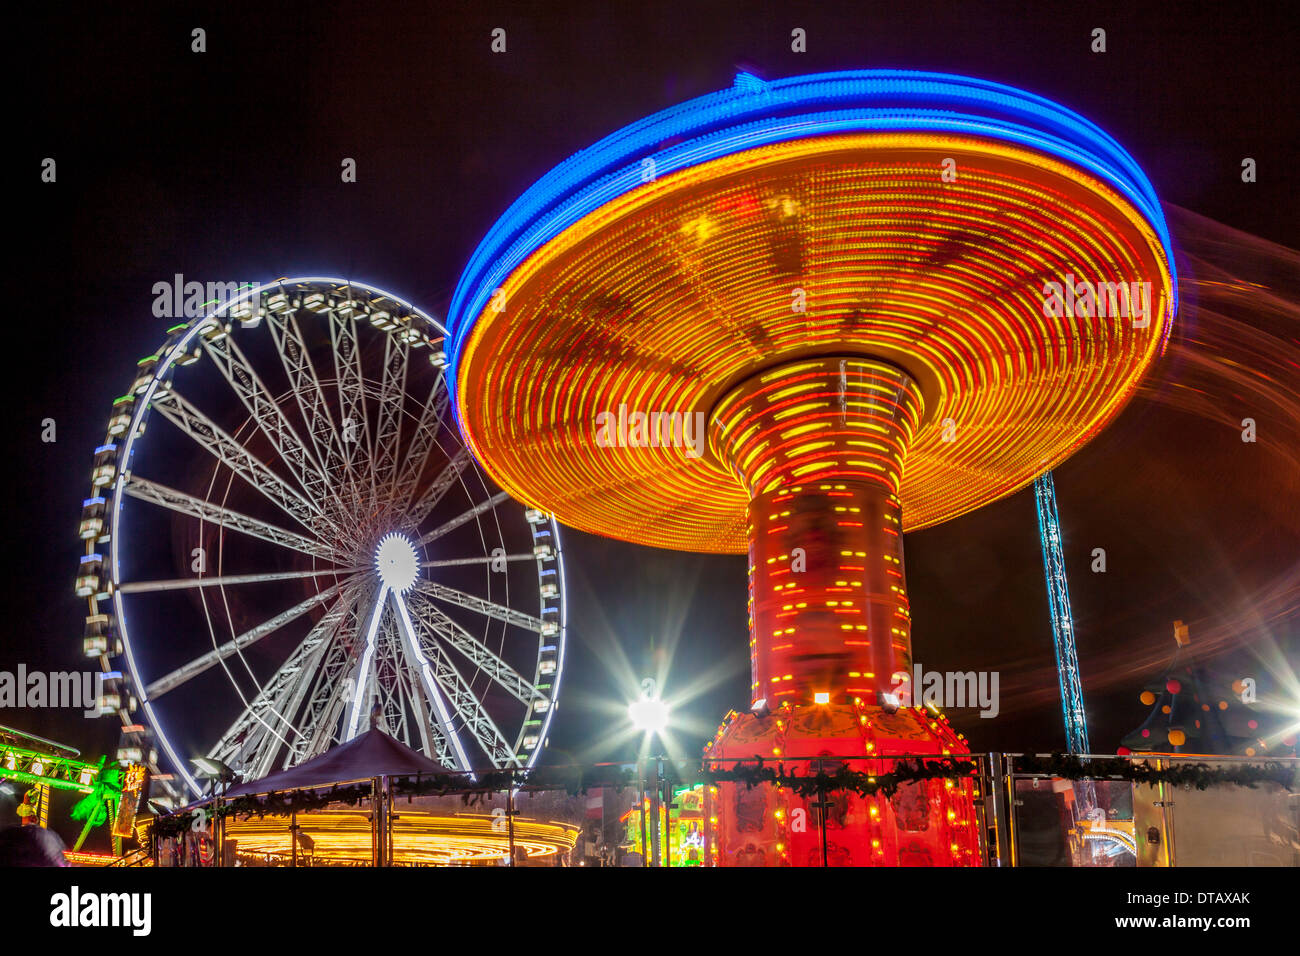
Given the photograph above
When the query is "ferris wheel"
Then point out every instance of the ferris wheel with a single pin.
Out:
(343, 561)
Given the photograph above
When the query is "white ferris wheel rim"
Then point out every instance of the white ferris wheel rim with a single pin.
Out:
(182, 346)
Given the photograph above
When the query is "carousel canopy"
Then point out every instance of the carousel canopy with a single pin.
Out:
(372, 754)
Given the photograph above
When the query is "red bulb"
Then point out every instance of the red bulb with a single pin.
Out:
(1173, 686)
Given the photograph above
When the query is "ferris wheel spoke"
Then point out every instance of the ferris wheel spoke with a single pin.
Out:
(441, 484)
(442, 670)
(486, 559)
(247, 639)
(180, 584)
(244, 381)
(253, 732)
(234, 456)
(182, 503)
(431, 739)
(276, 732)
(327, 703)
(481, 606)
(333, 636)
(389, 427)
(370, 657)
(350, 381)
(400, 708)
(439, 625)
(440, 677)
(390, 678)
(436, 736)
(415, 705)
(432, 415)
(462, 518)
(257, 734)
(377, 683)
(306, 387)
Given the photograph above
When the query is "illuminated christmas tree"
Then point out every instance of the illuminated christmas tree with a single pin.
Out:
(1196, 709)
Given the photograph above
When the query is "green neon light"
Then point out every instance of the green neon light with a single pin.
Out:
(58, 783)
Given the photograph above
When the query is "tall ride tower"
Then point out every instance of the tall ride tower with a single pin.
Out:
(795, 319)
(1058, 603)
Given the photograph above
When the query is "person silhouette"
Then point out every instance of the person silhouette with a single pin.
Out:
(26, 812)
(31, 846)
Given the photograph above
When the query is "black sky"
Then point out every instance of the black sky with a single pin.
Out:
(226, 164)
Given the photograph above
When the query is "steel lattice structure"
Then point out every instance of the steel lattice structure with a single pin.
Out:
(341, 512)
(39, 762)
(1058, 602)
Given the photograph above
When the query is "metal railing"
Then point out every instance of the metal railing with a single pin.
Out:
(1197, 818)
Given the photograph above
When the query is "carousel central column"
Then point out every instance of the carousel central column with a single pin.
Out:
(819, 445)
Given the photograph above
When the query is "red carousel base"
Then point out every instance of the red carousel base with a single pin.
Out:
(925, 823)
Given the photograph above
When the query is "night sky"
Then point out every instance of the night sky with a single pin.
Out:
(226, 165)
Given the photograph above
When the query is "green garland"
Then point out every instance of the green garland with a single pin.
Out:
(272, 804)
(1198, 775)
(863, 784)
(757, 771)
(570, 779)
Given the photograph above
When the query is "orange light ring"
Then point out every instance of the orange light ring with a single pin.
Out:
(772, 428)
(1007, 376)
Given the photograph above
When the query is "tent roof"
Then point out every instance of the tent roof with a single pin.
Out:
(372, 754)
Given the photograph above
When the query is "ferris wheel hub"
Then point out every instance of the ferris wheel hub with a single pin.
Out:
(396, 562)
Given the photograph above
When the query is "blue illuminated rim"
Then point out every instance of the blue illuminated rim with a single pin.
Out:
(755, 112)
